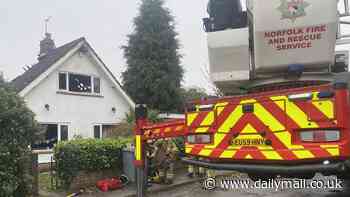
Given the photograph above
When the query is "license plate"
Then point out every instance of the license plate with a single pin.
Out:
(248, 142)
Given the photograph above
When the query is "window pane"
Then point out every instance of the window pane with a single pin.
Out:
(97, 132)
(97, 85)
(51, 135)
(79, 83)
(64, 132)
(62, 80)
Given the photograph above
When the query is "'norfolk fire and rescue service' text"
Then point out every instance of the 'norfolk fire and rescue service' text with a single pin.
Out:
(295, 38)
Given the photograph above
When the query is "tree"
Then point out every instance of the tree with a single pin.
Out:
(127, 126)
(191, 94)
(153, 75)
(18, 130)
(2, 80)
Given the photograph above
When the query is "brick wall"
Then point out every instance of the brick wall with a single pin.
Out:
(88, 179)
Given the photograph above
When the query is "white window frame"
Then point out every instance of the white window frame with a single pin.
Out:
(93, 84)
(58, 128)
(67, 82)
(59, 131)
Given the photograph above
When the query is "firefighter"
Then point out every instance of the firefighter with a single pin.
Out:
(164, 158)
(151, 171)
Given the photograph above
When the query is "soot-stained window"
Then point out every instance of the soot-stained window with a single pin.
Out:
(79, 83)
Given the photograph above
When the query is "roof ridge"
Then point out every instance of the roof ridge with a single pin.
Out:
(76, 41)
(21, 81)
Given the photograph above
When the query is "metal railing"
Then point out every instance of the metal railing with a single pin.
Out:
(342, 39)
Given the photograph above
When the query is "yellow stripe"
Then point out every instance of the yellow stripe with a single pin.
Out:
(284, 137)
(332, 149)
(299, 151)
(228, 154)
(267, 118)
(271, 155)
(206, 123)
(275, 125)
(188, 149)
(231, 120)
(138, 148)
(218, 137)
(191, 117)
(303, 154)
(326, 107)
(179, 128)
(220, 107)
(267, 151)
(294, 112)
(205, 152)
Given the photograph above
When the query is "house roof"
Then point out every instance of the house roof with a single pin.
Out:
(44, 63)
(50, 58)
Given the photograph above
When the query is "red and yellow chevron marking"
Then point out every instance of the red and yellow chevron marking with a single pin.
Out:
(173, 128)
(277, 116)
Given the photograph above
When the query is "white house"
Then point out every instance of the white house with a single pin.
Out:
(72, 92)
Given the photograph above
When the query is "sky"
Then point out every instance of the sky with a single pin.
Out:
(105, 24)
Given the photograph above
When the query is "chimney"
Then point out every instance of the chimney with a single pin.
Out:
(46, 45)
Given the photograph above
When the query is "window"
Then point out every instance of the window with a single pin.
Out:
(53, 134)
(79, 83)
(64, 132)
(97, 131)
(62, 80)
(97, 85)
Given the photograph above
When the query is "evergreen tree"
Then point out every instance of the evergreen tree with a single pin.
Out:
(153, 74)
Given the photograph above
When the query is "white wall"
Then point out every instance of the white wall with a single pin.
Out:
(79, 112)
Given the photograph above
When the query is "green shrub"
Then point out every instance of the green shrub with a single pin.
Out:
(17, 131)
(86, 155)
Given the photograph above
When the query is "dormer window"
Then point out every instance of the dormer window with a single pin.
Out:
(79, 83)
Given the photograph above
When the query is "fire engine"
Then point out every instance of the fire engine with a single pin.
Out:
(286, 106)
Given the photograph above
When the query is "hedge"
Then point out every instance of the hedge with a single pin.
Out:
(18, 130)
(92, 155)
